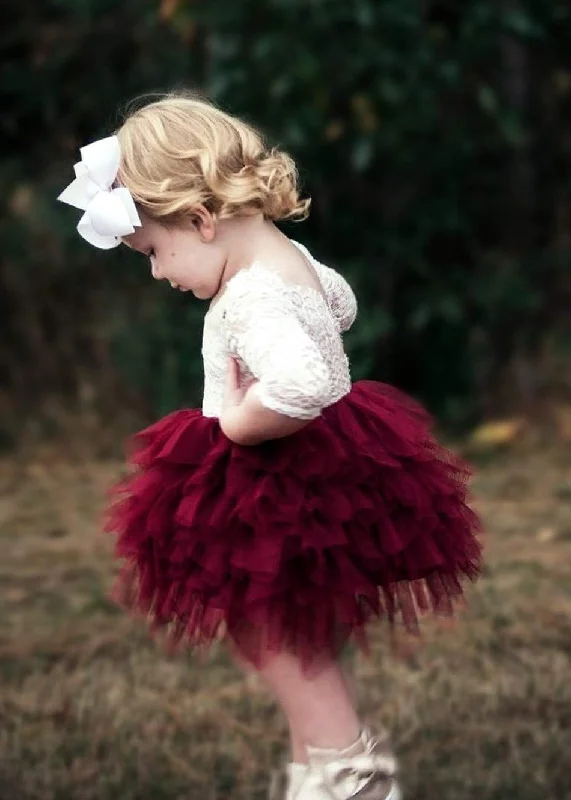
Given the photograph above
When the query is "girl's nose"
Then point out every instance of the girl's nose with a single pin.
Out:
(155, 272)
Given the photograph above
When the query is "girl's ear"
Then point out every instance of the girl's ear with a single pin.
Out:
(204, 223)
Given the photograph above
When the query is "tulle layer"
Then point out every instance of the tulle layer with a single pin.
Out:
(297, 543)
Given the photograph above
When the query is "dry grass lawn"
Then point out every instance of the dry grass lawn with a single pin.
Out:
(90, 709)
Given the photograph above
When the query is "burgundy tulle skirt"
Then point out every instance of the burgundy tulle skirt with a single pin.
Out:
(297, 543)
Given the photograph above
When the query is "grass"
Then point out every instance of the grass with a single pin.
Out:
(91, 708)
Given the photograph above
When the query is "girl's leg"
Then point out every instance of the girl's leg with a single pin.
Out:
(319, 708)
(326, 735)
(298, 751)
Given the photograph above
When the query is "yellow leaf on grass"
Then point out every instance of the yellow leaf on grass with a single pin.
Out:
(496, 433)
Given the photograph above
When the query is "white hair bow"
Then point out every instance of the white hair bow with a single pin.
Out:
(109, 213)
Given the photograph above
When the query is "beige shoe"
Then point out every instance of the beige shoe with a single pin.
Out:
(364, 771)
(296, 775)
(287, 782)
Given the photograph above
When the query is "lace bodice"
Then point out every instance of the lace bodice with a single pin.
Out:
(286, 336)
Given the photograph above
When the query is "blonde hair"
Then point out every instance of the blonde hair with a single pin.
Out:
(180, 151)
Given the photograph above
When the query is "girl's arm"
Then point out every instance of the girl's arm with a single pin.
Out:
(292, 383)
(245, 420)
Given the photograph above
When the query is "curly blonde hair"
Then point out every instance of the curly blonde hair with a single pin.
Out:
(180, 151)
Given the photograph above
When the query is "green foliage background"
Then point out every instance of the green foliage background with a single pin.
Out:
(434, 137)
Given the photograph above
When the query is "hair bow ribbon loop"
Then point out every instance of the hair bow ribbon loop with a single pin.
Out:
(110, 213)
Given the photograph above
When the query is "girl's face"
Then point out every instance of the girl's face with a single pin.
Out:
(187, 257)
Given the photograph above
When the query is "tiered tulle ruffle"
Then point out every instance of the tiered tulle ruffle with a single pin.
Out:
(298, 542)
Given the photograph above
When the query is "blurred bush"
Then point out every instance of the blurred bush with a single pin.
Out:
(434, 137)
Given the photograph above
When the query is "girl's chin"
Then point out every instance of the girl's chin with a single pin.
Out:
(202, 294)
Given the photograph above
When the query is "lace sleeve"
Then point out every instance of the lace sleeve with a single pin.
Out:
(340, 296)
(265, 334)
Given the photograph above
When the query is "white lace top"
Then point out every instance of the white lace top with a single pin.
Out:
(286, 336)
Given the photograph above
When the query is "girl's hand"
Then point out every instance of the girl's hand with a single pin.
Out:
(234, 394)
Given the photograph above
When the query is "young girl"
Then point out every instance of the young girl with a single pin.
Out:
(294, 507)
